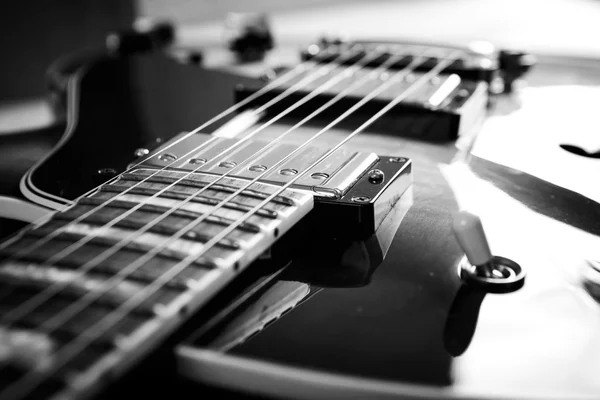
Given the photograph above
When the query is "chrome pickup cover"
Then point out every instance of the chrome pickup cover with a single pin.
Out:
(332, 177)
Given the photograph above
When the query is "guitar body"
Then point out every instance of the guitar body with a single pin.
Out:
(410, 327)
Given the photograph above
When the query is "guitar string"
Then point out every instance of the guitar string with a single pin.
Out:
(103, 256)
(302, 67)
(87, 237)
(81, 342)
(57, 286)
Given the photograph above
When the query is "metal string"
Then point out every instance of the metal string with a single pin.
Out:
(57, 286)
(83, 341)
(265, 89)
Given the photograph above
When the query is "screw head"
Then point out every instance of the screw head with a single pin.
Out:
(462, 93)
(167, 157)
(227, 164)
(198, 161)
(361, 199)
(258, 168)
(141, 152)
(107, 172)
(319, 175)
(288, 171)
(376, 176)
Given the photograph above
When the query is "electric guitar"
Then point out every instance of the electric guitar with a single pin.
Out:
(301, 242)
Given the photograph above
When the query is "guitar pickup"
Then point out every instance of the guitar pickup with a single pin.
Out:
(479, 61)
(439, 107)
(353, 191)
(442, 108)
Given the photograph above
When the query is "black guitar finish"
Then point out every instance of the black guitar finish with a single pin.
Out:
(409, 322)
(117, 107)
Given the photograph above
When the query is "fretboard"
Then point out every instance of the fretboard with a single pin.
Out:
(80, 260)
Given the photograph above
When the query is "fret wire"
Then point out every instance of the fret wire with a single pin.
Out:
(314, 75)
(267, 88)
(83, 342)
(43, 297)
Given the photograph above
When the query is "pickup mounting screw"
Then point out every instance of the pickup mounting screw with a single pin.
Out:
(376, 176)
(167, 157)
(361, 199)
(397, 159)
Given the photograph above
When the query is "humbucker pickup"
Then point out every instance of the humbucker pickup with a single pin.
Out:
(449, 105)
(353, 191)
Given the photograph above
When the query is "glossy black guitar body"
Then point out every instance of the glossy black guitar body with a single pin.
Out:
(115, 107)
(408, 321)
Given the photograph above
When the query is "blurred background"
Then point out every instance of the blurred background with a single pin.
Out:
(34, 33)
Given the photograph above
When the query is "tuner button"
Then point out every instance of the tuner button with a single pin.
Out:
(248, 35)
(471, 236)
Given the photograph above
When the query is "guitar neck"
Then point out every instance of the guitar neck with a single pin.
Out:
(92, 288)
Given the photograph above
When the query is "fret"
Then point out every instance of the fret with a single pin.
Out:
(182, 195)
(48, 388)
(212, 259)
(34, 322)
(153, 208)
(28, 349)
(25, 348)
(196, 182)
(147, 273)
(140, 276)
(75, 286)
(25, 274)
(139, 219)
(214, 219)
(106, 242)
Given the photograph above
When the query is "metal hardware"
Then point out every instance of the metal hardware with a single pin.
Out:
(397, 159)
(227, 164)
(376, 176)
(462, 93)
(361, 199)
(288, 171)
(319, 175)
(107, 172)
(332, 178)
(506, 275)
(103, 174)
(258, 168)
(167, 157)
(141, 152)
(198, 161)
